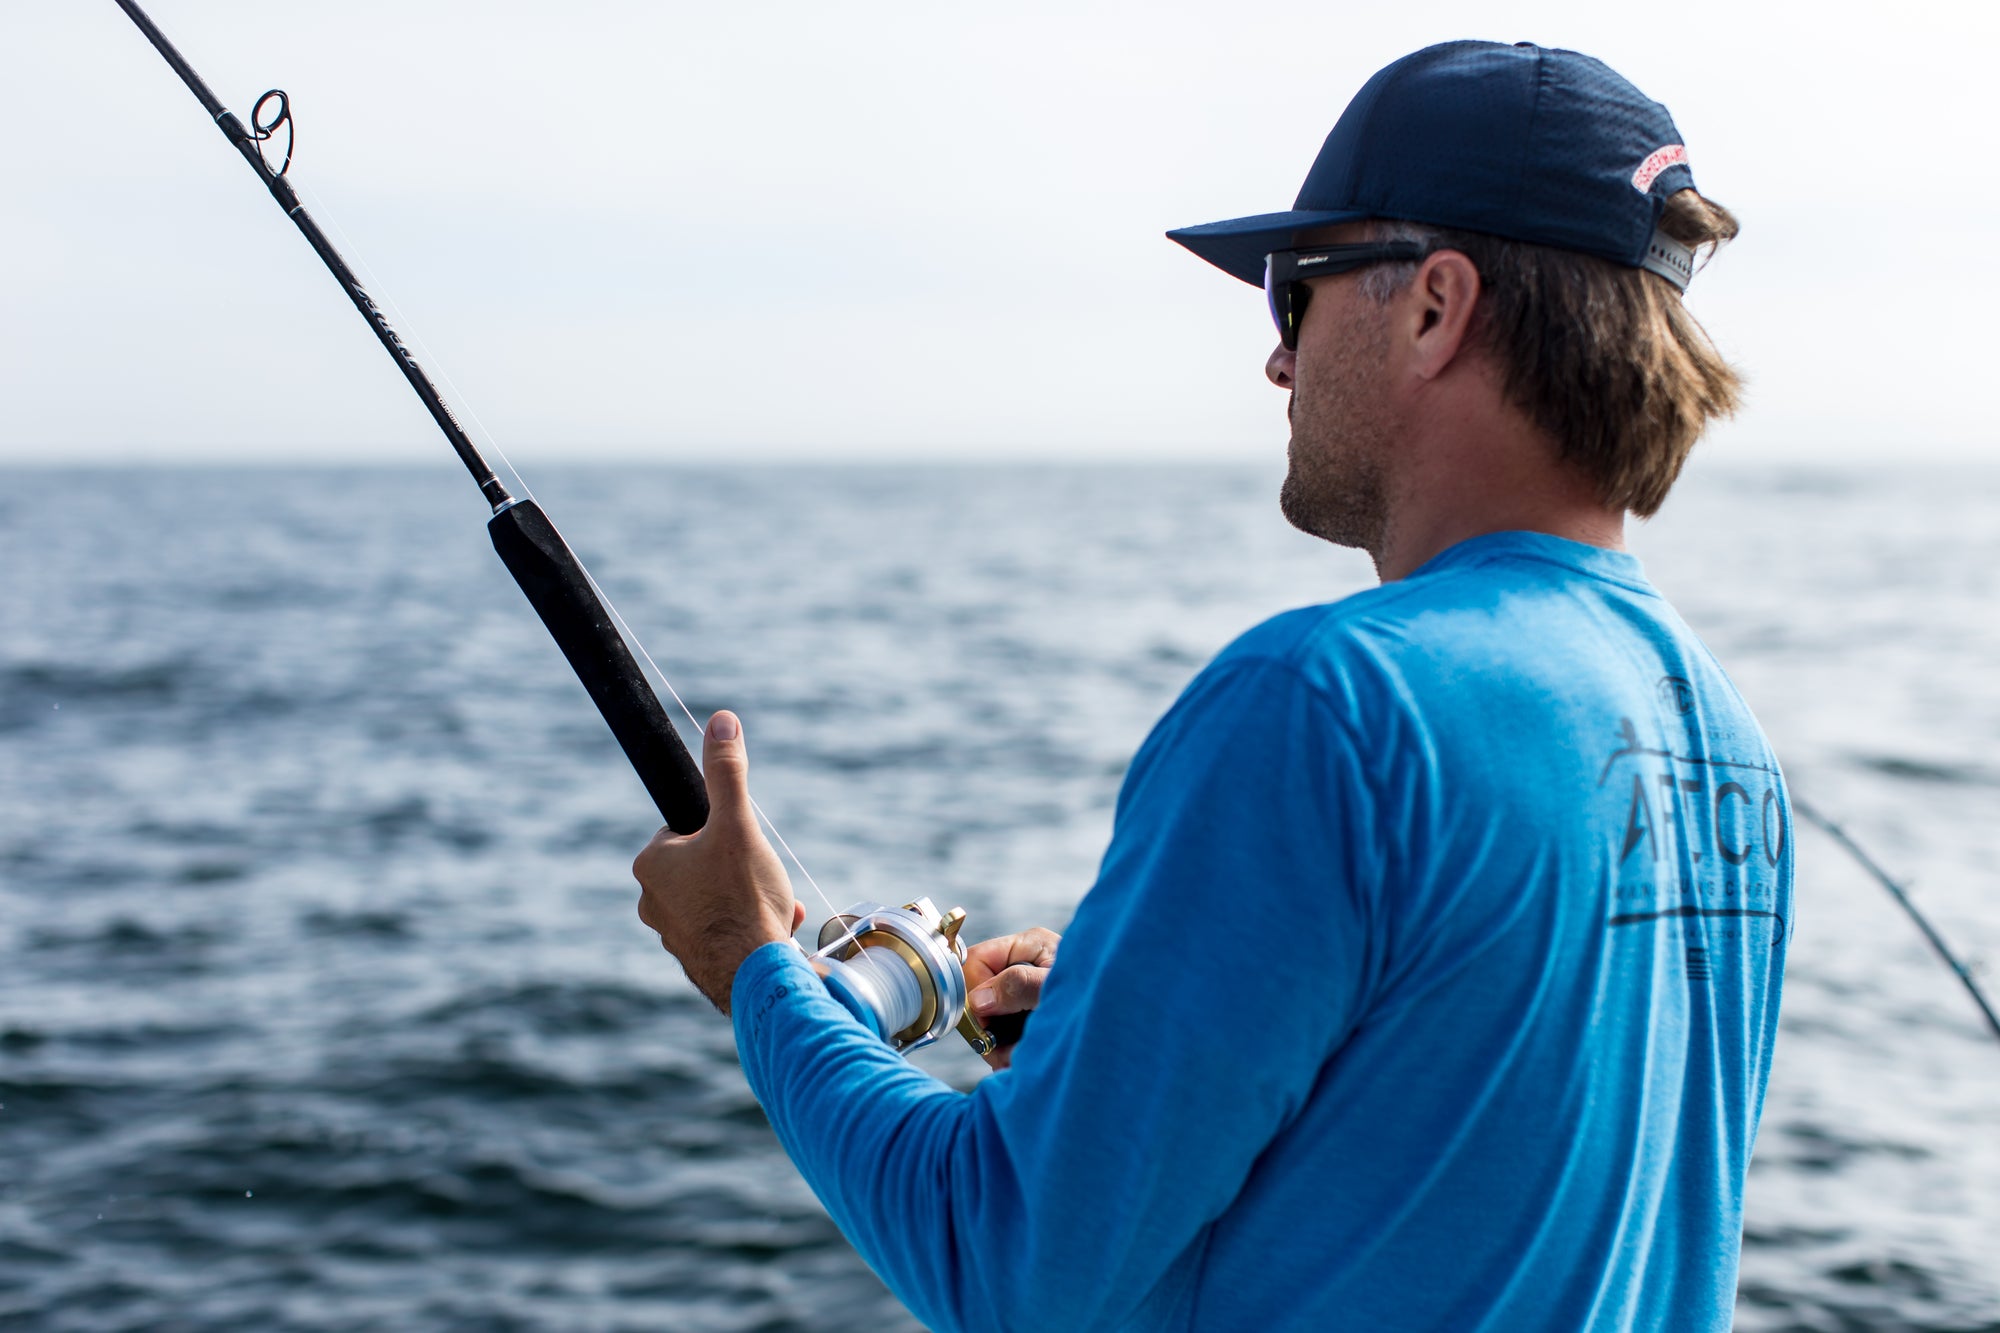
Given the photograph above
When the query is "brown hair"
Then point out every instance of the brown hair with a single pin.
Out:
(1603, 358)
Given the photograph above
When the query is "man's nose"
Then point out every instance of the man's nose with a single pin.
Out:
(1279, 368)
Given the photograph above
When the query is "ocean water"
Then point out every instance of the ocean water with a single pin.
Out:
(322, 1000)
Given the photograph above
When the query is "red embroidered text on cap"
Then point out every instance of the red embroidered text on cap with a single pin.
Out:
(1673, 155)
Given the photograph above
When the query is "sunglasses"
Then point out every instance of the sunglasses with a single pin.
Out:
(1286, 273)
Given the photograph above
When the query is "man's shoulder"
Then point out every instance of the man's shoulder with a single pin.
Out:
(1340, 654)
(1494, 622)
(1363, 625)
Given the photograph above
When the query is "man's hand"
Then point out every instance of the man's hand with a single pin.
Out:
(718, 895)
(1005, 976)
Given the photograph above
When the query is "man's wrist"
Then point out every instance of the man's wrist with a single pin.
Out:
(723, 954)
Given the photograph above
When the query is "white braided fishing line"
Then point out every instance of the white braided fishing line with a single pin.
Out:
(406, 328)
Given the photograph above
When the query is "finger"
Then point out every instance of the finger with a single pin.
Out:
(725, 769)
(1013, 991)
(1035, 946)
(989, 956)
(798, 916)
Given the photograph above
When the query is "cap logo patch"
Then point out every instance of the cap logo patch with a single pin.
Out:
(1673, 155)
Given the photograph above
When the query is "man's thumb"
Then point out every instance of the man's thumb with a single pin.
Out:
(725, 768)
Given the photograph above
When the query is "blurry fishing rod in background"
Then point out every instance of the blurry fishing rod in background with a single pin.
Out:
(1882, 877)
(581, 622)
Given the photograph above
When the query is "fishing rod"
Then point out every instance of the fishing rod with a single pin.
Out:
(1897, 891)
(902, 969)
(528, 544)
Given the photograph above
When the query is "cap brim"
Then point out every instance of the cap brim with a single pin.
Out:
(1238, 246)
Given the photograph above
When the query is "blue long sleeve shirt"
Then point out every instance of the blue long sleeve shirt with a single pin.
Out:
(1429, 982)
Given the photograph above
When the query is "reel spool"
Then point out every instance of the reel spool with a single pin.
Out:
(904, 970)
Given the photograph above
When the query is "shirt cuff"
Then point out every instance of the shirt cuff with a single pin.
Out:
(777, 983)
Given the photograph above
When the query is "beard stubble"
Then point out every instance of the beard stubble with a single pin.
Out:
(1336, 488)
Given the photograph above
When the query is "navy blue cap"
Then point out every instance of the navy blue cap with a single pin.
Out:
(1524, 142)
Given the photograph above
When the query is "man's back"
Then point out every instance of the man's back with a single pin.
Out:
(1558, 969)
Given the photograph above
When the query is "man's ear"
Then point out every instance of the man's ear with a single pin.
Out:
(1442, 297)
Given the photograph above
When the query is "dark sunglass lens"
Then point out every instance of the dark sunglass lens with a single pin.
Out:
(1296, 294)
(1286, 300)
(1272, 301)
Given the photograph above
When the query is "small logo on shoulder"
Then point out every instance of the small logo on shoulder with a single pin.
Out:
(1677, 694)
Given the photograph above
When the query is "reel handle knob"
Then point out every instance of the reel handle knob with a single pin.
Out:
(1006, 1029)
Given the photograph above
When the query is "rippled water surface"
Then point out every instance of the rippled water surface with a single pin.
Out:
(322, 1002)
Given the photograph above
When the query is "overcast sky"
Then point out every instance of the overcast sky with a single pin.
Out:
(735, 230)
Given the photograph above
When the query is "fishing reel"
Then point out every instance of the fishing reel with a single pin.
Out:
(903, 970)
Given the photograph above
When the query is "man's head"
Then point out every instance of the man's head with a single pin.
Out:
(1533, 222)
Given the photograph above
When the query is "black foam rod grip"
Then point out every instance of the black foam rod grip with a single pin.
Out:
(546, 569)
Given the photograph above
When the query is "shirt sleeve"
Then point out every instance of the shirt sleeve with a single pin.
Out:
(1222, 956)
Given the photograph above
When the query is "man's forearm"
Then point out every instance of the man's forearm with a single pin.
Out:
(871, 1133)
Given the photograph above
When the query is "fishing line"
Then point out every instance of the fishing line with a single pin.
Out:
(406, 326)
(769, 823)
(409, 329)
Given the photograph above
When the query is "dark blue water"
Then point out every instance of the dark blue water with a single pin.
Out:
(322, 1000)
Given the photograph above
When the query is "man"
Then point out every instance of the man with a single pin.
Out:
(1431, 975)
